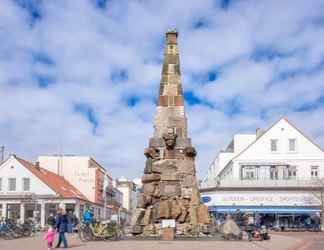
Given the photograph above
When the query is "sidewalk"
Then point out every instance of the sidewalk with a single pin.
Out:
(277, 242)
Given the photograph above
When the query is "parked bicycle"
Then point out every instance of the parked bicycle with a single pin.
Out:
(5, 231)
(96, 231)
(10, 230)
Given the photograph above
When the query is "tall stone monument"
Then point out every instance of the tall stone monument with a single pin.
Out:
(170, 190)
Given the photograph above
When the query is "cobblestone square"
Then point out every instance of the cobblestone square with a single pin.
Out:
(282, 241)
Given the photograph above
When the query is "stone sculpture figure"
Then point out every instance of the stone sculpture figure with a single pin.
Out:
(152, 154)
(170, 139)
(170, 188)
(190, 152)
(170, 142)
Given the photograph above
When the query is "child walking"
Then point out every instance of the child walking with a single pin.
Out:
(49, 237)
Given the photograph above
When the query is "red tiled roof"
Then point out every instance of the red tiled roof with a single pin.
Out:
(57, 183)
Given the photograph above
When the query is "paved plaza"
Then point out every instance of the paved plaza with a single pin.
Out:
(287, 241)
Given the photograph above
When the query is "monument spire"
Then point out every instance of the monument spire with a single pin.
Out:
(170, 107)
(170, 86)
(170, 189)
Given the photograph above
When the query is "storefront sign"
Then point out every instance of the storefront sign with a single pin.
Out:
(260, 198)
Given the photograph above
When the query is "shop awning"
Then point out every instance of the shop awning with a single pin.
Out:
(268, 209)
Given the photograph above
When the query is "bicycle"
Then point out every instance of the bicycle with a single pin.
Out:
(96, 231)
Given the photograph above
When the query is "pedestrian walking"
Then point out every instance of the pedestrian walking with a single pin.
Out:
(88, 216)
(250, 226)
(49, 237)
(62, 228)
(258, 219)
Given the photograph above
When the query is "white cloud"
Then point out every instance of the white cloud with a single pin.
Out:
(83, 46)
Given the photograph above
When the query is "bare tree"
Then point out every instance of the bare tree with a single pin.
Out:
(318, 193)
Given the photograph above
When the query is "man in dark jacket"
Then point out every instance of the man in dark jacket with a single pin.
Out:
(62, 228)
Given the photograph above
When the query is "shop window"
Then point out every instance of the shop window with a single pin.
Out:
(290, 172)
(292, 145)
(12, 184)
(314, 171)
(274, 173)
(274, 145)
(249, 173)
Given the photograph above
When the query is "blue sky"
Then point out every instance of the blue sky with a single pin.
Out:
(82, 77)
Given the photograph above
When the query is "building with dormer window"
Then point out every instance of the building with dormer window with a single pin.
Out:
(271, 172)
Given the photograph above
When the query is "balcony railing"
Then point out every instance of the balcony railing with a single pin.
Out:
(259, 183)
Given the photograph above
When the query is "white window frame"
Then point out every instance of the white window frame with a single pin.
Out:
(9, 184)
(295, 145)
(23, 184)
(290, 172)
(249, 173)
(314, 172)
(277, 145)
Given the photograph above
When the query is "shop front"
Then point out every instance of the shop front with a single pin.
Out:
(13, 211)
(20, 209)
(278, 210)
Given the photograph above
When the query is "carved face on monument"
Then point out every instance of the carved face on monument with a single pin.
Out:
(170, 139)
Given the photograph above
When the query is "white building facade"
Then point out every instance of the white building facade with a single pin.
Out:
(29, 191)
(270, 172)
(86, 175)
(130, 196)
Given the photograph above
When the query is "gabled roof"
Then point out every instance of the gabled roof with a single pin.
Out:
(57, 183)
(265, 132)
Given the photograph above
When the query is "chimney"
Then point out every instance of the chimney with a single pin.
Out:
(37, 165)
(259, 132)
(2, 149)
